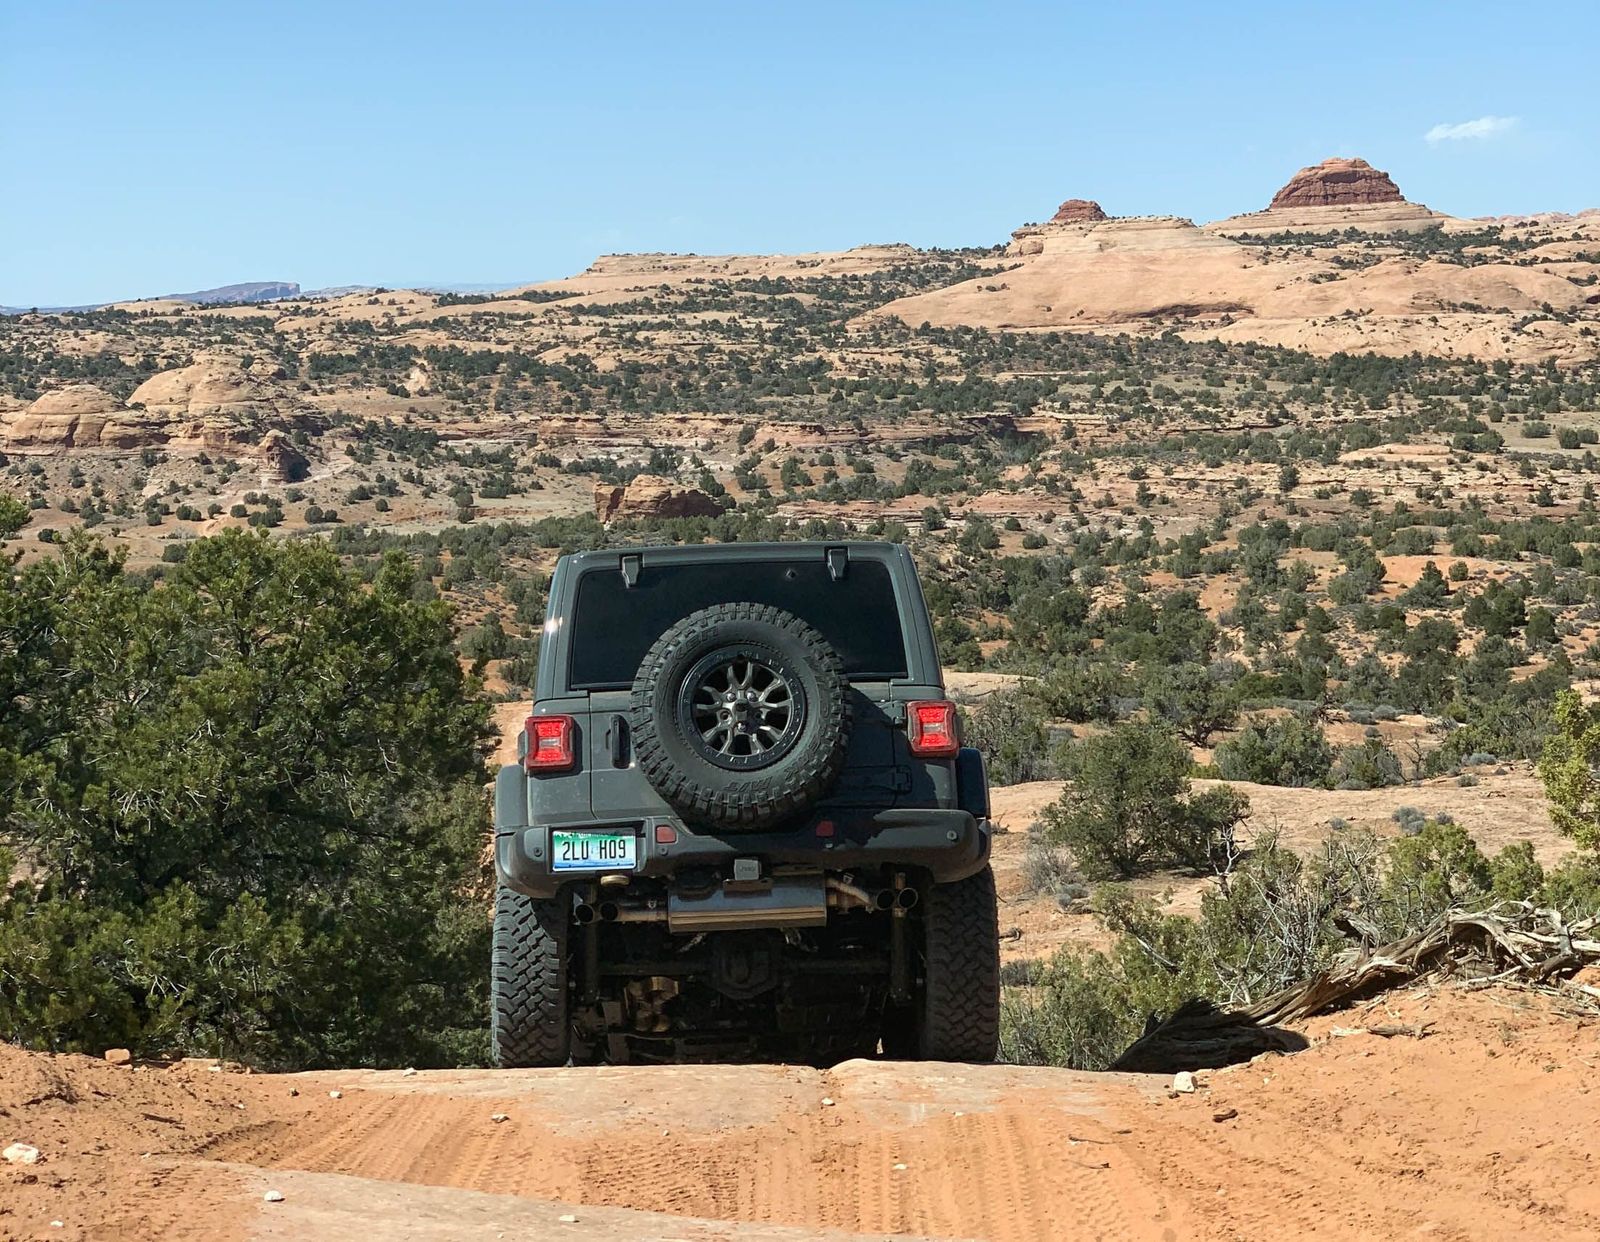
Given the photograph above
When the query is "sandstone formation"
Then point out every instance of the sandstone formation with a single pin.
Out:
(1155, 273)
(1337, 183)
(204, 390)
(1333, 197)
(281, 461)
(1077, 211)
(651, 496)
(212, 404)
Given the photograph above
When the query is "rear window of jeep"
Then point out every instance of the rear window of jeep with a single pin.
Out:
(613, 625)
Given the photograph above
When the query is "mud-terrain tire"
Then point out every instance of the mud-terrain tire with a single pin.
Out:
(528, 1021)
(960, 1001)
(678, 695)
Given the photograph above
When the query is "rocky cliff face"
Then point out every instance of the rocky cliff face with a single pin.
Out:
(1338, 183)
(650, 496)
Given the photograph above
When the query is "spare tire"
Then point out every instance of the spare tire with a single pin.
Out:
(740, 716)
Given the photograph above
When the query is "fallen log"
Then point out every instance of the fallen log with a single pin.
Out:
(1512, 942)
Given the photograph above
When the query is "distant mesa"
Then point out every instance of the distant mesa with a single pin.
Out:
(1078, 211)
(1337, 183)
(253, 291)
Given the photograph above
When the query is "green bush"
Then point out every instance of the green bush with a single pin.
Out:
(253, 828)
(1278, 919)
(1129, 806)
(1011, 730)
(1371, 765)
(1192, 699)
(1290, 751)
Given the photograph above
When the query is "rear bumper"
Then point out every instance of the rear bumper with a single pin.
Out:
(947, 844)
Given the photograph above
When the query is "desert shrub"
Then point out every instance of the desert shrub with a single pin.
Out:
(1515, 874)
(1019, 972)
(1049, 869)
(1084, 689)
(1276, 920)
(1573, 886)
(253, 828)
(1272, 924)
(1012, 731)
(1371, 765)
(486, 641)
(1568, 765)
(1289, 751)
(1196, 701)
(13, 515)
(1129, 806)
(1430, 870)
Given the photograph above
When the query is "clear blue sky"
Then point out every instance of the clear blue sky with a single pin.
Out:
(157, 147)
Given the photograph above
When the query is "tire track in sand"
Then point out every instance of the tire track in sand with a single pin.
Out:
(895, 1150)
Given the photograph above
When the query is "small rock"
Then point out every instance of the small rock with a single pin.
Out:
(500, 1117)
(57, 1224)
(273, 1196)
(826, 1102)
(293, 1091)
(1183, 1082)
(567, 1218)
(336, 1095)
(118, 1056)
(1225, 1114)
(410, 1073)
(899, 1168)
(20, 1153)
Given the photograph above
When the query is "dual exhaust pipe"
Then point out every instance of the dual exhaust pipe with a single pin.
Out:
(844, 895)
(586, 913)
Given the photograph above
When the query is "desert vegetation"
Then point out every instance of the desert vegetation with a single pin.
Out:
(1204, 570)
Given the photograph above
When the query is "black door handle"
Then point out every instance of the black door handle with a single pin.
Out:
(617, 736)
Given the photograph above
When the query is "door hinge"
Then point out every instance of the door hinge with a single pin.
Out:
(632, 563)
(838, 562)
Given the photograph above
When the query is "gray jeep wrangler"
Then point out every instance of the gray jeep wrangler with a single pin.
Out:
(743, 824)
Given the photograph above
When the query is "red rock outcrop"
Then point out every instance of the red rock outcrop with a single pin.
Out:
(281, 461)
(1338, 183)
(651, 496)
(1078, 211)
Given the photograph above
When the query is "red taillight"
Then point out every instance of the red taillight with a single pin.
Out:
(931, 728)
(550, 743)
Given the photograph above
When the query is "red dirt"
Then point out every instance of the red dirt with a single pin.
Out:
(1481, 1129)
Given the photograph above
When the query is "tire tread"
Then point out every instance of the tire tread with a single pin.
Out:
(529, 1023)
(961, 954)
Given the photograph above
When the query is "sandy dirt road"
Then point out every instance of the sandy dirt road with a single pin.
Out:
(1482, 1129)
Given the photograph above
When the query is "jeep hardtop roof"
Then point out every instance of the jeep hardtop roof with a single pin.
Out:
(608, 606)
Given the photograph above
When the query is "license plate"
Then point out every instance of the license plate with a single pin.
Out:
(593, 851)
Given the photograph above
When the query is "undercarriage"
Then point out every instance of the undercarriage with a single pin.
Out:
(799, 966)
